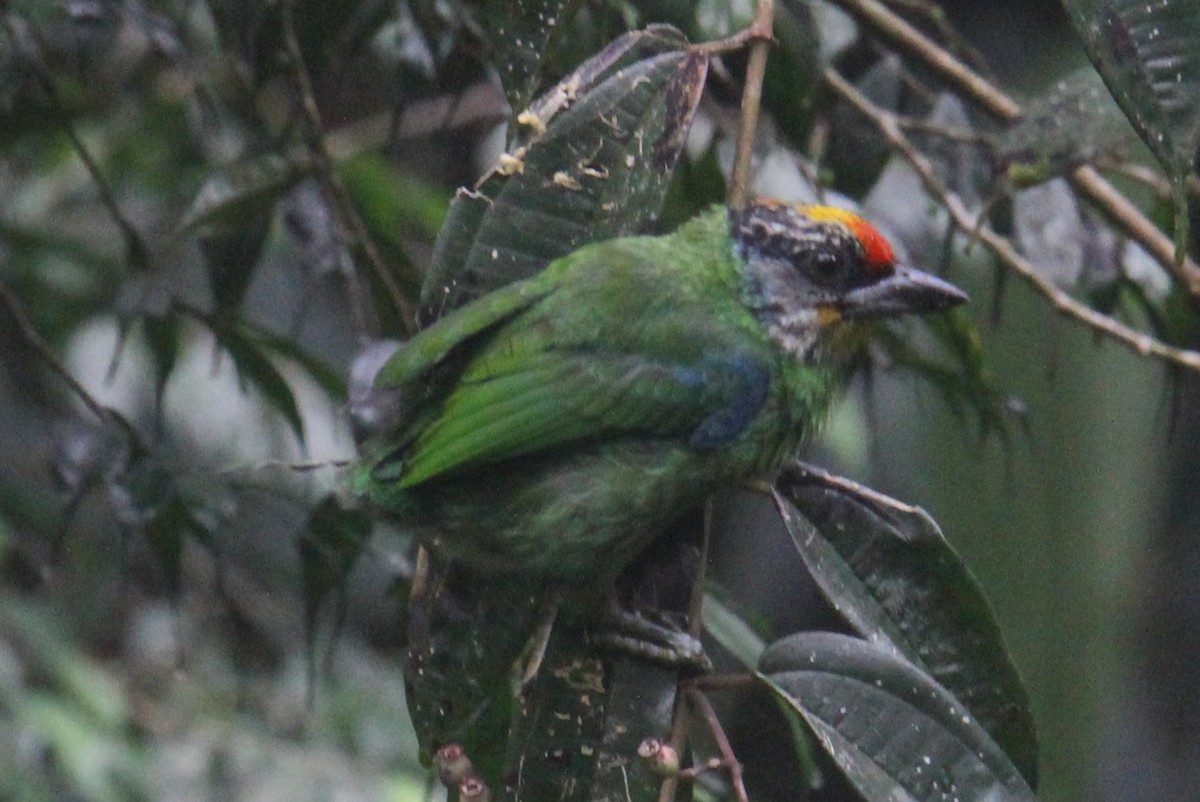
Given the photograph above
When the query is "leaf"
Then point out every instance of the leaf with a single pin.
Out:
(165, 533)
(519, 41)
(794, 69)
(1072, 123)
(1148, 53)
(735, 635)
(886, 567)
(600, 170)
(254, 367)
(465, 631)
(392, 207)
(162, 338)
(242, 188)
(230, 254)
(332, 541)
(894, 732)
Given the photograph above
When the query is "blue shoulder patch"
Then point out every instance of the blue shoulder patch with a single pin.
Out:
(750, 381)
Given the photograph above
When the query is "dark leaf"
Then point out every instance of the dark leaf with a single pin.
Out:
(1072, 123)
(162, 338)
(326, 377)
(230, 256)
(253, 366)
(600, 170)
(894, 732)
(166, 532)
(519, 41)
(793, 70)
(1148, 53)
(242, 188)
(735, 635)
(332, 541)
(886, 567)
(393, 207)
(466, 631)
(558, 726)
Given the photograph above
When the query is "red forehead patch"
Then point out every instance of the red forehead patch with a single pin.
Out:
(877, 250)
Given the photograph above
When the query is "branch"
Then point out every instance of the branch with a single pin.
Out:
(46, 355)
(756, 68)
(362, 247)
(889, 125)
(135, 248)
(1104, 196)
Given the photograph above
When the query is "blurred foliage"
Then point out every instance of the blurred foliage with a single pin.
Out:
(187, 275)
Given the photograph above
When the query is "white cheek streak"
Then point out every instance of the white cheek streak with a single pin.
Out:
(797, 333)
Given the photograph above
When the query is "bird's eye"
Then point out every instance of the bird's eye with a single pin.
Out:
(827, 262)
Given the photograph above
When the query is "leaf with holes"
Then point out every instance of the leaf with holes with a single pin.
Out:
(522, 33)
(599, 170)
(893, 731)
(886, 567)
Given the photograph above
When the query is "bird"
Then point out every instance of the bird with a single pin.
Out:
(556, 426)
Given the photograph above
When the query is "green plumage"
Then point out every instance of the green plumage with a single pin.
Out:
(558, 424)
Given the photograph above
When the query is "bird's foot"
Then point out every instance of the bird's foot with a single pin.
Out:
(534, 653)
(635, 635)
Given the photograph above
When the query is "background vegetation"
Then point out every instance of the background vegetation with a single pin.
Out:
(210, 208)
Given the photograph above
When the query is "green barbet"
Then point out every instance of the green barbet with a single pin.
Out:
(557, 425)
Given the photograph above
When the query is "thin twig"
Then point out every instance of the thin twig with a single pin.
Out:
(898, 31)
(756, 67)
(135, 247)
(887, 123)
(362, 247)
(974, 87)
(1121, 211)
(47, 357)
(681, 719)
(1150, 178)
(728, 758)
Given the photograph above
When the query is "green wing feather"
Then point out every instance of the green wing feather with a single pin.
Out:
(608, 342)
(428, 348)
(555, 397)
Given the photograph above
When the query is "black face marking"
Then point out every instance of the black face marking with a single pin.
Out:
(824, 253)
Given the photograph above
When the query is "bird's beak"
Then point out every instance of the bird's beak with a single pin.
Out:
(906, 291)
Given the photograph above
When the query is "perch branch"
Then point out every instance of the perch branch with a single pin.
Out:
(888, 124)
(1104, 196)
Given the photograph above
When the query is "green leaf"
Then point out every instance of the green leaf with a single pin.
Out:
(230, 254)
(332, 541)
(894, 732)
(465, 631)
(735, 635)
(244, 187)
(392, 207)
(162, 338)
(1072, 123)
(520, 39)
(886, 567)
(329, 379)
(254, 367)
(1148, 53)
(600, 170)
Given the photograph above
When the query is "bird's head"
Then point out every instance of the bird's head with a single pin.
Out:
(815, 273)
